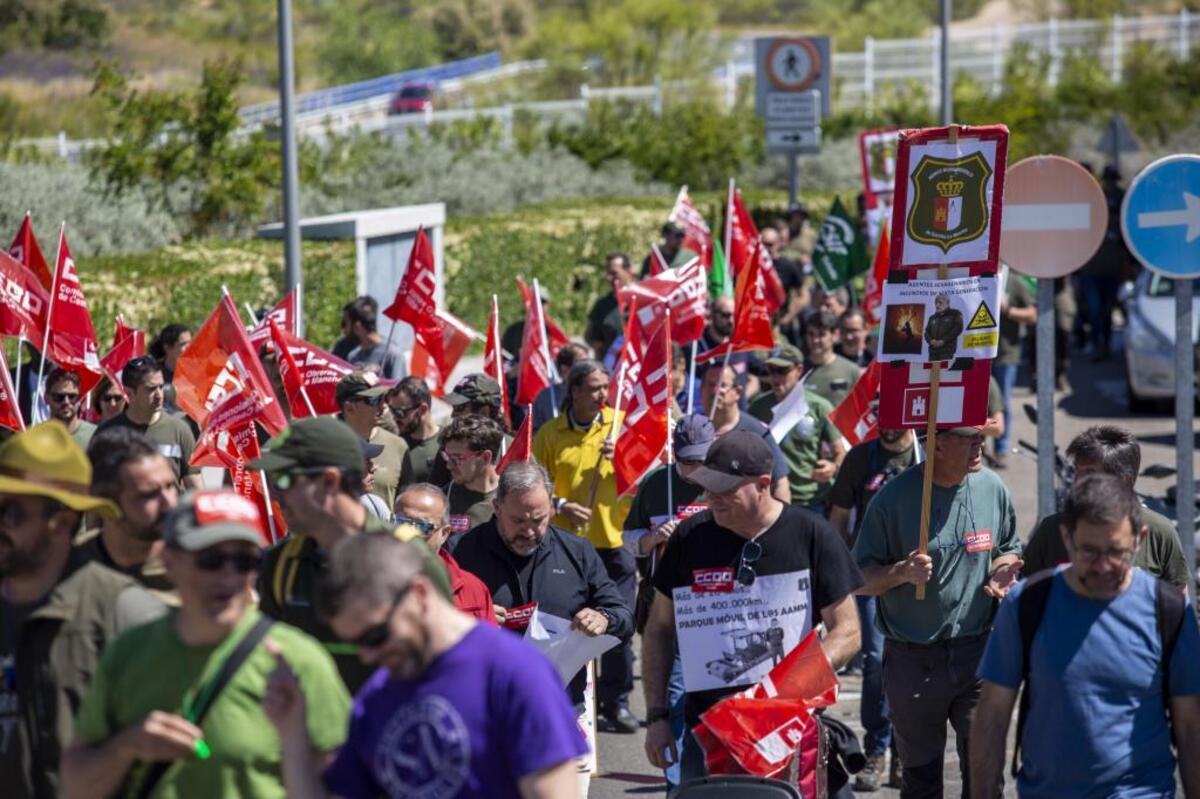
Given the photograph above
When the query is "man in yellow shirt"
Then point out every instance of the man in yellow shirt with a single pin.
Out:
(576, 449)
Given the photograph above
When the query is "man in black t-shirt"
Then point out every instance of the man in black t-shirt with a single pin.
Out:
(725, 574)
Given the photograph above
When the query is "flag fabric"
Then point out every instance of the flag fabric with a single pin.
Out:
(305, 369)
(23, 300)
(10, 414)
(681, 291)
(522, 445)
(751, 318)
(416, 301)
(697, 236)
(25, 250)
(493, 359)
(646, 408)
(233, 450)
(536, 368)
(130, 345)
(789, 413)
(220, 360)
(286, 314)
(744, 244)
(840, 253)
(719, 284)
(857, 416)
(658, 264)
(434, 364)
(558, 339)
(72, 342)
(873, 296)
(628, 362)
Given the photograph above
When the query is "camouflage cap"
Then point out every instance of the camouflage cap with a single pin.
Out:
(476, 387)
(359, 385)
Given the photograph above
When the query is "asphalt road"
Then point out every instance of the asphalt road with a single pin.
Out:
(1095, 396)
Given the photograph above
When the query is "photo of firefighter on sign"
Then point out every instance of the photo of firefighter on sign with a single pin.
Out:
(732, 634)
(940, 320)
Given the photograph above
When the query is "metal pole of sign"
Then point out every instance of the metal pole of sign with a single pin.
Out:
(793, 178)
(947, 78)
(1045, 395)
(1185, 441)
(287, 135)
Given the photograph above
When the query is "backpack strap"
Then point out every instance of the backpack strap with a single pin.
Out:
(285, 569)
(1170, 609)
(1031, 607)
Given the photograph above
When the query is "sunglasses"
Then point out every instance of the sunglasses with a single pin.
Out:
(374, 402)
(426, 528)
(751, 552)
(210, 560)
(64, 396)
(282, 481)
(377, 636)
(399, 410)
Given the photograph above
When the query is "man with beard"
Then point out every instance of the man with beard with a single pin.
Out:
(130, 471)
(943, 329)
(58, 610)
(717, 332)
(459, 708)
(360, 397)
(62, 394)
(411, 402)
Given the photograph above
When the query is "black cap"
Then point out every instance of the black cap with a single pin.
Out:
(672, 229)
(476, 387)
(734, 457)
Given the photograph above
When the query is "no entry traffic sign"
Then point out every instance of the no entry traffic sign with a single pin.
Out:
(1160, 217)
(1055, 216)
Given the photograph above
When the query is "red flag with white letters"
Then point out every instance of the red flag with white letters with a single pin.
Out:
(744, 244)
(26, 251)
(536, 370)
(72, 342)
(10, 414)
(684, 291)
(309, 374)
(557, 338)
(23, 301)
(286, 314)
(645, 406)
(697, 236)
(751, 317)
(434, 362)
(857, 418)
(416, 300)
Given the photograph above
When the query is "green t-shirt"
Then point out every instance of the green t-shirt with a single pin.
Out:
(802, 446)
(864, 472)
(832, 381)
(388, 464)
(419, 461)
(649, 507)
(969, 526)
(170, 434)
(1017, 295)
(83, 434)
(150, 668)
(468, 508)
(1160, 554)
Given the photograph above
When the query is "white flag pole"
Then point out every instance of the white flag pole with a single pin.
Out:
(541, 320)
(36, 404)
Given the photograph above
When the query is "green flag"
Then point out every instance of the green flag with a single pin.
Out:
(841, 251)
(719, 282)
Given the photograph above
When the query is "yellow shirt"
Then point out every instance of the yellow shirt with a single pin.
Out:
(571, 454)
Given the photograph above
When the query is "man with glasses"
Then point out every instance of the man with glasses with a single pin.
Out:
(748, 551)
(57, 610)
(423, 506)
(147, 703)
(62, 392)
(458, 709)
(143, 381)
(315, 468)
(1113, 659)
(722, 391)
(471, 449)
(852, 338)
(717, 332)
(1108, 449)
(829, 374)
(360, 396)
(410, 402)
(932, 646)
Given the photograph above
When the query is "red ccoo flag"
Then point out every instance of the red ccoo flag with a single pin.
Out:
(744, 244)
(286, 314)
(416, 300)
(493, 359)
(873, 296)
(697, 236)
(434, 363)
(10, 414)
(536, 368)
(219, 360)
(130, 345)
(751, 318)
(23, 301)
(558, 339)
(856, 417)
(522, 446)
(646, 408)
(25, 250)
(309, 374)
(684, 291)
(71, 338)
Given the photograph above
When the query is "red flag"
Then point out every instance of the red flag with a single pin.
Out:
(646, 423)
(307, 369)
(121, 330)
(72, 341)
(286, 314)
(522, 446)
(10, 414)
(751, 318)
(873, 296)
(416, 300)
(437, 350)
(628, 362)
(131, 345)
(744, 244)
(857, 417)
(658, 264)
(493, 359)
(697, 236)
(219, 360)
(232, 449)
(536, 369)
(683, 290)
(25, 250)
(558, 339)
(23, 301)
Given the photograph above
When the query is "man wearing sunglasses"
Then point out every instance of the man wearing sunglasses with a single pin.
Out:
(62, 392)
(360, 396)
(459, 709)
(146, 704)
(57, 609)
(730, 570)
(315, 468)
(410, 402)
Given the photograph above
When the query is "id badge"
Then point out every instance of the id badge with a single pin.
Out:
(978, 541)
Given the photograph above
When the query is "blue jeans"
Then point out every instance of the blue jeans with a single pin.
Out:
(1100, 293)
(675, 696)
(873, 707)
(1006, 376)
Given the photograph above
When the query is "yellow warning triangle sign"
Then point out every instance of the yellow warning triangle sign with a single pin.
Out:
(982, 318)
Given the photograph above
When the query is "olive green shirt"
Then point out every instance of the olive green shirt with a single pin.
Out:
(833, 380)
(169, 434)
(388, 464)
(810, 440)
(83, 434)
(467, 508)
(420, 461)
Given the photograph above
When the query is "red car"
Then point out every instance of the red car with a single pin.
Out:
(413, 98)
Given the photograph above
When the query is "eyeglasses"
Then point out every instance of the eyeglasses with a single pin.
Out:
(64, 396)
(372, 401)
(211, 560)
(426, 528)
(400, 410)
(1092, 554)
(455, 460)
(282, 481)
(751, 552)
(377, 636)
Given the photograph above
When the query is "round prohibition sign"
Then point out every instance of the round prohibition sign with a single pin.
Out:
(792, 64)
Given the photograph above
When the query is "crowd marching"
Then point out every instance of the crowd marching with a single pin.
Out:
(376, 597)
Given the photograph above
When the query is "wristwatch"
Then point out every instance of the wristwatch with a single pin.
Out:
(659, 713)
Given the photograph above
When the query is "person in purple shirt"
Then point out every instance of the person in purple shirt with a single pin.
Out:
(459, 709)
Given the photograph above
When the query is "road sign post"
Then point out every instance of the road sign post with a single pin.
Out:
(792, 96)
(1160, 219)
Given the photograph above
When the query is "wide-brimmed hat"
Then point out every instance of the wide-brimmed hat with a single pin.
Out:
(44, 461)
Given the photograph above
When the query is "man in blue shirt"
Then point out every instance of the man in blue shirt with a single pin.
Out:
(1097, 722)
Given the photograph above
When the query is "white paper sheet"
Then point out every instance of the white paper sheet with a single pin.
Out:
(569, 650)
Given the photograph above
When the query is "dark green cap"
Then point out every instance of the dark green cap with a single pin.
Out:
(785, 355)
(476, 387)
(313, 443)
(359, 385)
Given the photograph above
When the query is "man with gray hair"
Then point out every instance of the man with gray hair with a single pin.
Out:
(458, 709)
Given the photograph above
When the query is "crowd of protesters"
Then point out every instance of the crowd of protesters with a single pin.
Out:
(153, 644)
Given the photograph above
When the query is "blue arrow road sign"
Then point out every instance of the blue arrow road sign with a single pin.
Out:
(1160, 217)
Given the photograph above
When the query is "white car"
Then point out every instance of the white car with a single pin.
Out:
(1150, 339)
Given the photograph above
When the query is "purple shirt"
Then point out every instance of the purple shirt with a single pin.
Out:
(488, 712)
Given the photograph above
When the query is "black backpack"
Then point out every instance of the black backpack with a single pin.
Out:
(1169, 604)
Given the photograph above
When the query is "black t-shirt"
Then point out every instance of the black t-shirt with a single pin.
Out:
(797, 541)
(865, 470)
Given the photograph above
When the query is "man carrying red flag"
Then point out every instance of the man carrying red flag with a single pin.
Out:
(671, 250)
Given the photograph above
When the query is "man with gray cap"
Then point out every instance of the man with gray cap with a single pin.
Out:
(780, 560)
(479, 394)
(315, 468)
(932, 646)
(360, 396)
(176, 705)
